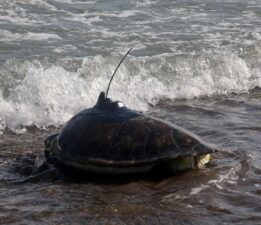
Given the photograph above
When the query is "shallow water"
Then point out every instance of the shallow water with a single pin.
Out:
(225, 192)
(195, 63)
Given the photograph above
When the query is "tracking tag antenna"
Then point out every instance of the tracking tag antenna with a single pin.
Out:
(115, 72)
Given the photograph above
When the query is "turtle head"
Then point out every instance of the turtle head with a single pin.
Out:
(107, 104)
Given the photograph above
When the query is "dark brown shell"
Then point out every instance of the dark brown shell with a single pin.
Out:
(109, 134)
(136, 140)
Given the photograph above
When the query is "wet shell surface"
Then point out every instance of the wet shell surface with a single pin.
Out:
(110, 138)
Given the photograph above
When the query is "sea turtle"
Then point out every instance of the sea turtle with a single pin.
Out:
(111, 138)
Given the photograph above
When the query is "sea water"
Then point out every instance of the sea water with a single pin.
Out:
(194, 63)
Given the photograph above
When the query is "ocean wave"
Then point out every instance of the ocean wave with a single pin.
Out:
(32, 93)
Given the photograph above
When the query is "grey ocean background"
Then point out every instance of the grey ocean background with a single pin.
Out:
(196, 63)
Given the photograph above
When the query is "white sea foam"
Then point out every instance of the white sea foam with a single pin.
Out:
(196, 190)
(50, 95)
(39, 98)
(143, 3)
(65, 48)
(12, 12)
(75, 2)
(6, 35)
(231, 177)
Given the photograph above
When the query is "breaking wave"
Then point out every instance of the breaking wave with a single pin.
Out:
(42, 94)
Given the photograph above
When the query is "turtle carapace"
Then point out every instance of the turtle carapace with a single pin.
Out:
(110, 138)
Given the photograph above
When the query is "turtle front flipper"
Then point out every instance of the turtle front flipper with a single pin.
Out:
(49, 139)
(49, 147)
